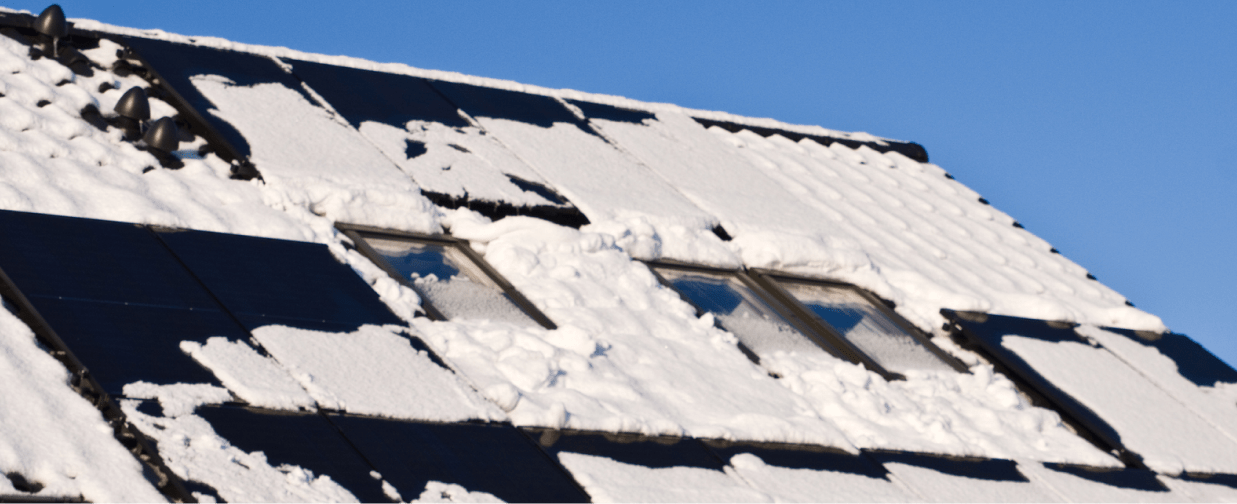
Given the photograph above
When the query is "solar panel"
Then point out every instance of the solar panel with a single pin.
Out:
(988, 469)
(1193, 361)
(648, 451)
(176, 63)
(493, 458)
(266, 281)
(480, 101)
(1117, 403)
(306, 440)
(987, 331)
(1137, 479)
(122, 344)
(800, 457)
(611, 113)
(95, 260)
(366, 95)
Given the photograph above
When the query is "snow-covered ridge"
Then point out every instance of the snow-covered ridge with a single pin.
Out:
(401, 68)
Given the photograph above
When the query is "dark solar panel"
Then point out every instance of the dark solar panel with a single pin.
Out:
(303, 439)
(87, 259)
(176, 63)
(611, 113)
(800, 457)
(634, 449)
(1193, 361)
(1137, 479)
(987, 332)
(1228, 480)
(365, 95)
(122, 344)
(491, 458)
(989, 469)
(480, 101)
(265, 281)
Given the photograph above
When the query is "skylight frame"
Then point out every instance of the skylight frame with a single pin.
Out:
(772, 281)
(764, 284)
(358, 233)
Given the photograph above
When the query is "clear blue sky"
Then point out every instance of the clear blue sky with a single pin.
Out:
(1107, 128)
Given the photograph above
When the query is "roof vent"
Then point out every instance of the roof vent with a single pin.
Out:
(51, 22)
(163, 135)
(134, 104)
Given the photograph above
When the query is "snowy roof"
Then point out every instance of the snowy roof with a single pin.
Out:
(347, 280)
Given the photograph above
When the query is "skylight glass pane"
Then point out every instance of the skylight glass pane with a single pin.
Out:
(865, 327)
(739, 311)
(456, 286)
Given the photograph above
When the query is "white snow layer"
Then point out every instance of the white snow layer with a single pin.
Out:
(51, 436)
(906, 232)
(607, 480)
(56, 163)
(596, 371)
(373, 371)
(785, 484)
(1070, 488)
(1168, 435)
(930, 485)
(313, 160)
(192, 450)
(649, 217)
(255, 379)
(1217, 404)
(457, 161)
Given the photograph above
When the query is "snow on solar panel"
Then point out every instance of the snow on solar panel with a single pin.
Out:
(52, 436)
(1183, 368)
(373, 371)
(422, 133)
(477, 460)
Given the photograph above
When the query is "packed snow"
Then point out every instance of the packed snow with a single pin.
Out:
(617, 194)
(1071, 488)
(312, 160)
(1170, 437)
(607, 480)
(254, 378)
(785, 484)
(51, 436)
(1216, 403)
(930, 485)
(55, 162)
(191, 449)
(373, 371)
(456, 161)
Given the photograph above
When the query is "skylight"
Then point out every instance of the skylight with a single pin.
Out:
(453, 281)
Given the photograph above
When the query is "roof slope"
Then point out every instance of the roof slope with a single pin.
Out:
(563, 194)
